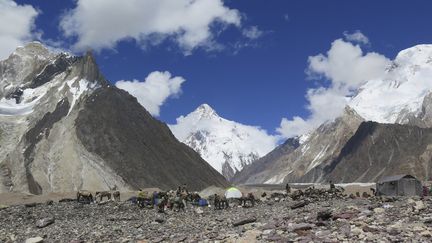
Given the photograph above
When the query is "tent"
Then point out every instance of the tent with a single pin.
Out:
(233, 192)
(399, 185)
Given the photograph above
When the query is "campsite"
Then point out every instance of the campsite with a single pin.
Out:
(317, 214)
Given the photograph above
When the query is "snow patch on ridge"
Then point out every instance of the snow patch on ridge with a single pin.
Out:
(317, 160)
(29, 98)
(77, 89)
(8, 107)
(277, 179)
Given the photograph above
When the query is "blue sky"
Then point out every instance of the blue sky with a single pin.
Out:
(265, 81)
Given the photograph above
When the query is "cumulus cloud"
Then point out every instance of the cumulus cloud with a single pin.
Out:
(346, 65)
(347, 68)
(154, 91)
(16, 25)
(102, 24)
(356, 36)
(252, 32)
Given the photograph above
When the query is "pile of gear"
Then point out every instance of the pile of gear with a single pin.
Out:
(319, 194)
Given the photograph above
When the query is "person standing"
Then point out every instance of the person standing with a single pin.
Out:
(288, 188)
(332, 186)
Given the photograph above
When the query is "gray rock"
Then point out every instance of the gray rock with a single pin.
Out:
(299, 204)
(324, 215)
(199, 211)
(30, 205)
(34, 240)
(301, 226)
(244, 221)
(42, 223)
(159, 220)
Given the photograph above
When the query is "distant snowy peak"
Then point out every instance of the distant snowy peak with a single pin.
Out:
(416, 55)
(204, 111)
(226, 145)
(400, 93)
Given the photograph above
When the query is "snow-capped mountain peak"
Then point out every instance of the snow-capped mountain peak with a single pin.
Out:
(205, 111)
(226, 145)
(400, 93)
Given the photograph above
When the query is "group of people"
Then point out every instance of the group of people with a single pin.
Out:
(179, 199)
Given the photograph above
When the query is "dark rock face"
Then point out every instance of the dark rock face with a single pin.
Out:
(227, 170)
(378, 150)
(17, 94)
(265, 163)
(86, 65)
(58, 66)
(139, 148)
(35, 134)
(89, 69)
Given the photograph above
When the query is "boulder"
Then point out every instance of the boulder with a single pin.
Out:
(324, 215)
(244, 221)
(379, 210)
(42, 223)
(426, 233)
(299, 205)
(199, 211)
(343, 216)
(301, 227)
(159, 220)
(34, 240)
(30, 205)
(419, 205)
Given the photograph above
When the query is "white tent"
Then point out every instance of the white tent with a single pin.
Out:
(233, 192)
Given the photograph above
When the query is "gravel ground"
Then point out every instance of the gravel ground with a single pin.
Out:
(323, 218)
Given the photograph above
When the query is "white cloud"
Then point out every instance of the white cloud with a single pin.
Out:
(103, 23)
(347, 68)
(357, 36)
(252, 32)
(154, 91)
(16, 26)
(346, 65)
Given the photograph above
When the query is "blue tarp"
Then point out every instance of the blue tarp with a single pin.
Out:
(202, 202)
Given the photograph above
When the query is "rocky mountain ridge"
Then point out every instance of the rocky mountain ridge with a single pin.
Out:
(399, 104)
(63, 127)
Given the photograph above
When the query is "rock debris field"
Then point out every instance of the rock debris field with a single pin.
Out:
(318, 218)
